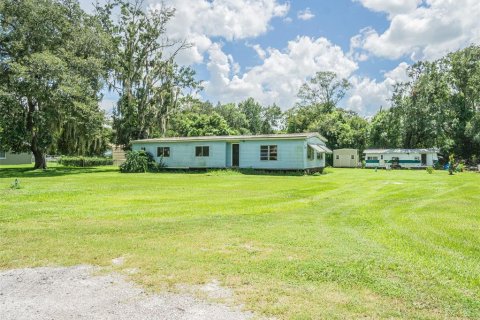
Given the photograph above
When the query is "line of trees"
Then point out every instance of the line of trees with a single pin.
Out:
(55, 60)
(439, 106)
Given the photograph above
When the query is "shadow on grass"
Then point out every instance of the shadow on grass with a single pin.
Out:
(27, 172)
(56, 171)
(219, 172)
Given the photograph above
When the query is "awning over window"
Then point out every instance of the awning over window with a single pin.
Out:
(319, 148)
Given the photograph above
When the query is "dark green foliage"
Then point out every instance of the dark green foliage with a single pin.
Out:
(318, 112)
(139, 162)
(85, 161)
(51, 62)
(438, 107)
(451, 164)
(343, 129)
(248, 117)
(384, 130)
(190, 124)
(235, 118)
(272, 119)
(253, 112)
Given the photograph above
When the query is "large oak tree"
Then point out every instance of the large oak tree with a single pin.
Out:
(51, 66)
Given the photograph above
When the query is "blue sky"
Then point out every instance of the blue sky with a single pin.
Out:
(267, 48)
(337, 21)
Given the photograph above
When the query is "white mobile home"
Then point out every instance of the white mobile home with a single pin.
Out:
(8, 158)
(405, 158)
(299, 151)
(345, 158)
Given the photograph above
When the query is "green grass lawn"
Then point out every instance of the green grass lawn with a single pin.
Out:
(347, 244)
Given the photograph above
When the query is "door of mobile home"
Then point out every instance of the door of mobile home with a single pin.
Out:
(235, 155)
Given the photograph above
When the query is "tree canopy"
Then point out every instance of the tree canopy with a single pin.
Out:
(52, 66)
(438, 107)
(55, 59)
(143, 69)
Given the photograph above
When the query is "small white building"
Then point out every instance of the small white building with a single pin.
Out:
(345, 158)
(405, 158)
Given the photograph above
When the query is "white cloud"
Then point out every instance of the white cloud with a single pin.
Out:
(259, 50)
(368, 95)
(305, 14)
(280, 75)
(391, 7)
(200, 20)
(421, 29)
(399, 74)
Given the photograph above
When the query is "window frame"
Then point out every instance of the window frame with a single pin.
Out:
(162, 153)
(202, 153)
(4, 155)
(269, 152)
(353, 157)
(310, 154)
(319, 156)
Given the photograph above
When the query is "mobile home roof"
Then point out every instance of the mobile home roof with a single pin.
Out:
(431, 150)
(236, 138)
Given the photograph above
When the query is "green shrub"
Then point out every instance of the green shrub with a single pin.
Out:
(364, 164)
(430, 170)
(460, 167)
(85, 161)
(140, 161)
(451, 164)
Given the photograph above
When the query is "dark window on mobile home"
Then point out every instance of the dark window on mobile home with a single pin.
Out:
(202, 151)
(268, 152)
(163, 152)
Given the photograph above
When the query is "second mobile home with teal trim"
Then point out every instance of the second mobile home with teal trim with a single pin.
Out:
(405, 158)
(298, 151)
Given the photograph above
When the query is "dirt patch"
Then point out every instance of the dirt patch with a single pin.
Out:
(76, 293)
(211, 290)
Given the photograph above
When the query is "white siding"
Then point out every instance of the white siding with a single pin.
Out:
(290, 154)
(431, 158)
(315, 163)
(345, 158)
(182, 154)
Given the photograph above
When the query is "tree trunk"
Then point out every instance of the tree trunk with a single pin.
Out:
(40, 161)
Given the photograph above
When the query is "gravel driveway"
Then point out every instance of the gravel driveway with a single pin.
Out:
(76, 293)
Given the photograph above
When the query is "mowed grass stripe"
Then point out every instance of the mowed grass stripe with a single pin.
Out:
(348, 244)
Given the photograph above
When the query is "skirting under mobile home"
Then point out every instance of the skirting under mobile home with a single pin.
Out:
(404, 158)
(302, 151)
